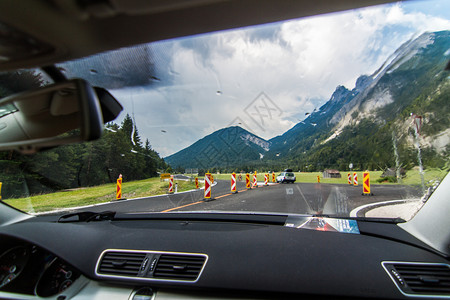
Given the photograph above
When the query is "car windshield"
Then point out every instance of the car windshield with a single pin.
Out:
(354, 105)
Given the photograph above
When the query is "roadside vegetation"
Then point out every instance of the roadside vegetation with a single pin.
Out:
(95, 195)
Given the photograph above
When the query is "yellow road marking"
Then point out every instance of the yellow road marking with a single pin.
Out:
(178, 207)
(182, 206)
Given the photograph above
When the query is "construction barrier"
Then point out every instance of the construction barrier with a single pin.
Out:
(119, 188)
(196, 182)
(255, 181)
(171, 184)
(355, 179)
(349, 178)
(273, 177)
(247, 181)
(208, 184)
(233, 183)
(366, 184)
(266, 179)
(0, 191)
(318, 179)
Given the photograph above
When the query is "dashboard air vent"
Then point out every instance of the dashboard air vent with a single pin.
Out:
(121, 263)
(151, 265)
(179, 267)
(420, 279)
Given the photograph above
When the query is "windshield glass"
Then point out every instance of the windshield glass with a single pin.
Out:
(351, 108)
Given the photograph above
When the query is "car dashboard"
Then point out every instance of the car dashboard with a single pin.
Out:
(214, 256)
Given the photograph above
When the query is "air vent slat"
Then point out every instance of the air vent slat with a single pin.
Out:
(116, 271)
(121, 268)
(176, 277)
(432, 289)
(185, 266)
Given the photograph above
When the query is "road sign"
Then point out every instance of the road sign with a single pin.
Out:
(207, 185)
(165, 175)
(119, 188)
(349, 178)
(233, 182)
(171, 184)
(366, 183)
(247, 181)
(355, 179)
(196, 182)
(191, 171)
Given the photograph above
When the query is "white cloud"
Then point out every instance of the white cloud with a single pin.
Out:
(297, 64)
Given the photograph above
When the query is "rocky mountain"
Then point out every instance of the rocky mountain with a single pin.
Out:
(362, 125)
(229, 146)
(369, 125)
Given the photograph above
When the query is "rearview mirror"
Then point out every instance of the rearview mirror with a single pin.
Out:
(48, 116)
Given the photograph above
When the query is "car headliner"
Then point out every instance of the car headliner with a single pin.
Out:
(81, 28)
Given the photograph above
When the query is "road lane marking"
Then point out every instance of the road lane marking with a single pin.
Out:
(198, 202)
(178, 207)
(223, 196)
(354, 212)
(303, 196)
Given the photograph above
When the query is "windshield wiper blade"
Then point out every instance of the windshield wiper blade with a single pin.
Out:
(87, 216)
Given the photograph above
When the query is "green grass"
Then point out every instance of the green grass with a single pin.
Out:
(95, 195)
(431, 174)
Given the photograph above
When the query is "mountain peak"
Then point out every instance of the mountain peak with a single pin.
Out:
(224, 147)
(362, 82)
(340, 93)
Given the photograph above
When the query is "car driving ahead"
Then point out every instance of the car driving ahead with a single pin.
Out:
(288, 177)
(123, 125)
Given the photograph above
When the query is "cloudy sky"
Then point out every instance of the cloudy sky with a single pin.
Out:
(266, 78)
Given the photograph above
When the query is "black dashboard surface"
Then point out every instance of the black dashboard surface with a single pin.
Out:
(254, 257)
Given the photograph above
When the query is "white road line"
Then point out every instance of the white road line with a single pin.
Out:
(354, 212)
(303, 196)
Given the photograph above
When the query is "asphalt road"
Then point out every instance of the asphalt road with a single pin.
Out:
(299, 198)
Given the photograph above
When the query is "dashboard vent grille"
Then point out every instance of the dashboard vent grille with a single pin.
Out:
(179, 267)
(151, 265)
(420, 278)
(121, 263)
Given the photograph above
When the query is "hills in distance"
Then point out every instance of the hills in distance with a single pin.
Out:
(363, 125)
(223, 148)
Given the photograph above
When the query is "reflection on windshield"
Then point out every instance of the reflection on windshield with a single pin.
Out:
(344, 115)
(7, 109)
